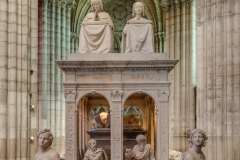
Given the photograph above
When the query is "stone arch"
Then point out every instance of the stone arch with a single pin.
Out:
(81, 94)
(152, 95)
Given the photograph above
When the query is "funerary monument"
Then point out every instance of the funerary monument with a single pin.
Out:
(115, 97)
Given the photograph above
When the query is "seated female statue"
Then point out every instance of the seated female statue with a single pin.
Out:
(96, 34)
(137, 34)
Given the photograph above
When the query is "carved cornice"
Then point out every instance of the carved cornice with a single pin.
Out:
(167, 5)
(115, 65)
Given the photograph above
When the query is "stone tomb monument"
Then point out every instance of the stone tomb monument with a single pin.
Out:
(114, 80)
(116, 77)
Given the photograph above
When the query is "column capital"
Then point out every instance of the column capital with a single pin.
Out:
(167, 5)
(116, 95)
(70, 95)
(163, 95)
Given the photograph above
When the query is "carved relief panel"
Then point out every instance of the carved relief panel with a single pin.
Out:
(116, 119)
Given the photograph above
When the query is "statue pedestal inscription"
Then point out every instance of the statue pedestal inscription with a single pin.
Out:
(116, 77)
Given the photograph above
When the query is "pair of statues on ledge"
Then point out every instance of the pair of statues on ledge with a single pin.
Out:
(141, 151)
(97, 32)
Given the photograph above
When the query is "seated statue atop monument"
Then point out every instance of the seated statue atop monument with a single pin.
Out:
(95, 153)
(96, 34)
(141, 151)
(197, 140)
(45, 139)
(137, 36)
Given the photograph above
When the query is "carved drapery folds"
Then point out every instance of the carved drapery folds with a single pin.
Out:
(116, 129)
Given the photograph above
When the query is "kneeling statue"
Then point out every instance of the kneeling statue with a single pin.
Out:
(137, 36)
(141, 151)
(197, 140)
(45, 139)
(96, 34)
(95, 153)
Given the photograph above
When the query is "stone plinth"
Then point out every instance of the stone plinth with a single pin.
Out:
(116, 77)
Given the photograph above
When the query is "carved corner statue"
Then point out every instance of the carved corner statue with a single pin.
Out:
(141, 151)
(45, 139)
(95, 153)
(197, 140)
(137, 36)
(96, 34)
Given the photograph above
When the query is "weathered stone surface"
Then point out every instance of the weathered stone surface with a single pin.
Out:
(218, 72)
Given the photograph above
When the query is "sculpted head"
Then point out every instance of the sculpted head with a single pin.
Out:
(141, 140)
(96, 5)
(198, 138)
(93, 144)
(45, 138)
(138, 8)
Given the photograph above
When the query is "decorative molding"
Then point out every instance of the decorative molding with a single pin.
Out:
(163, 95)
(70, 131)
(163, 113)
(70, 95)
(115, 65)
(117, 95)
(116, 114)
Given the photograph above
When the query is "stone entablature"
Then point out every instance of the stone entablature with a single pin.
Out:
(116, 77)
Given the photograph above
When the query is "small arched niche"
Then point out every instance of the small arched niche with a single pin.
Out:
(139, 118)
(89, 106)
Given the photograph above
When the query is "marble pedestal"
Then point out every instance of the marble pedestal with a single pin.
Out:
(116, 77)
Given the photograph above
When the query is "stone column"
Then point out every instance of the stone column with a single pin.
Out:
(180, 44)
(54, 35)
(3, 77)
(218, 81)
(71, 123)
(162, 121)
(18, 80)
(116, 129)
